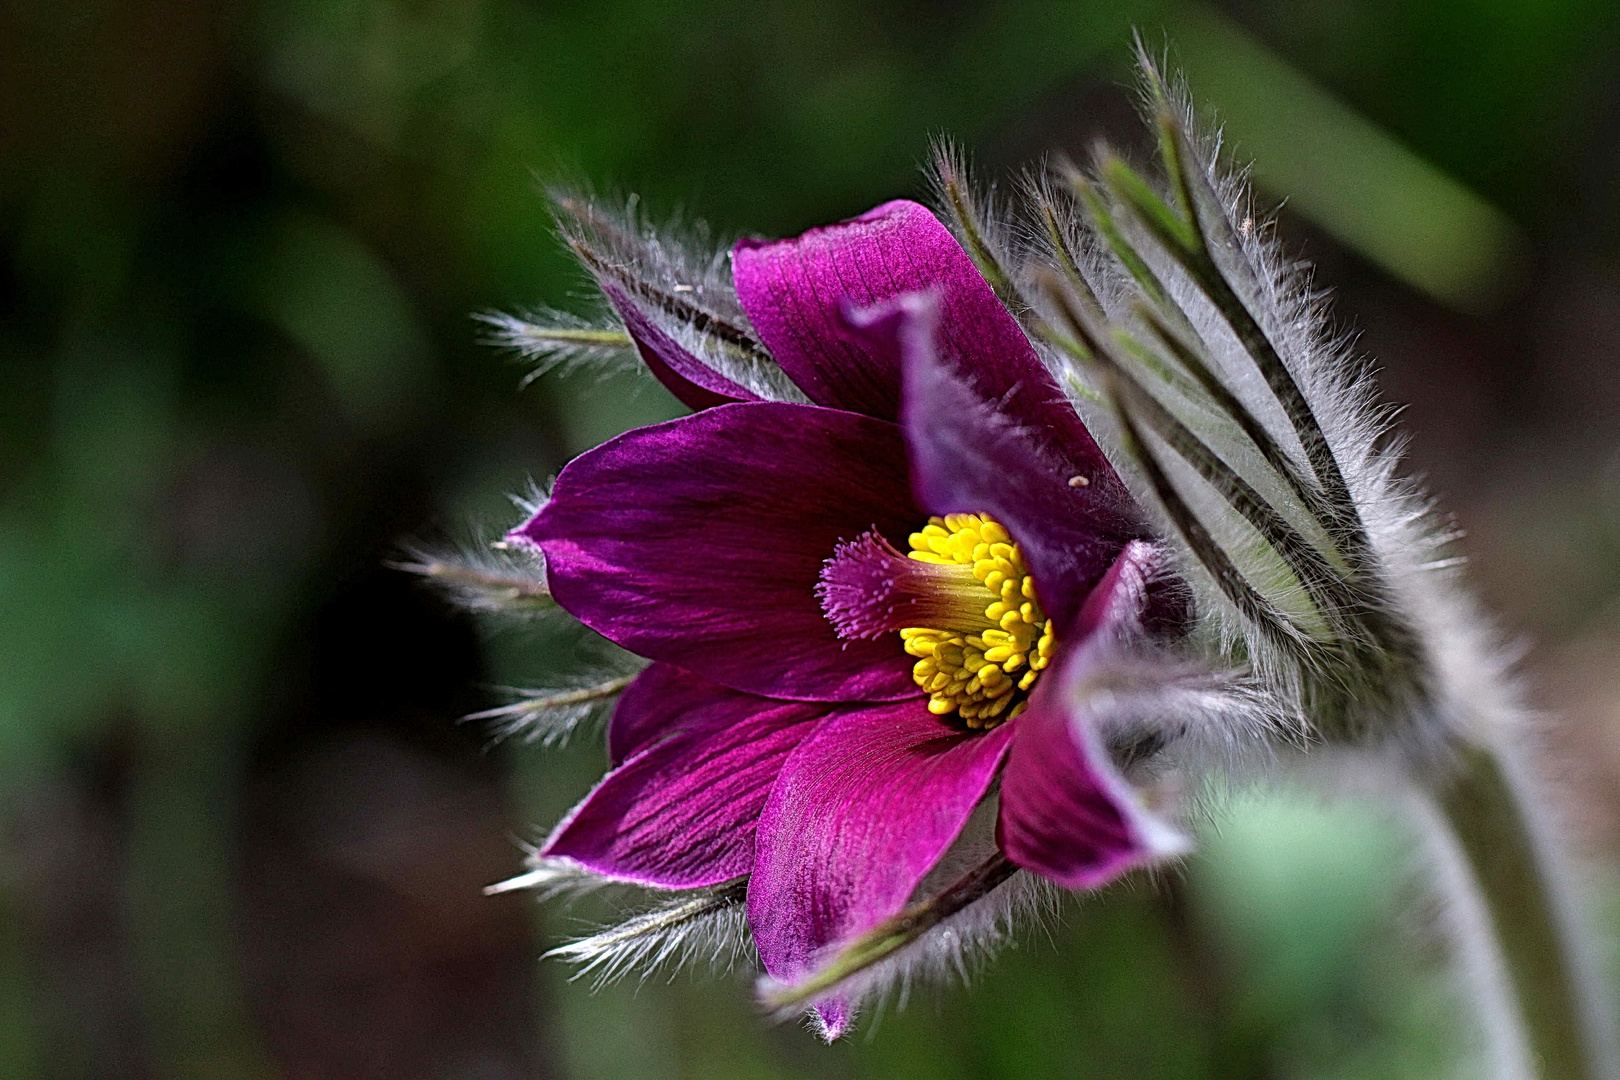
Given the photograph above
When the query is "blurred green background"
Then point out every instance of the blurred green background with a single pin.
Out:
(242, 833)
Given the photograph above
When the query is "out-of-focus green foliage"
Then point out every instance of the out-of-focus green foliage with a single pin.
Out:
(242, 242)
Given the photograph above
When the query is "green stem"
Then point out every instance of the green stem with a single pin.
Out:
(1521, 901)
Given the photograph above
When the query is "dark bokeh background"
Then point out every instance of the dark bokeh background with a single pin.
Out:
(242, 833)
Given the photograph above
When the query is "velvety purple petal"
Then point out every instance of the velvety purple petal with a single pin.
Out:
(795, 292)
(680, 812)
(1065, 812)
(861, 811)
(696, 384)
(700, 542)
(663, 698)
(968, 455)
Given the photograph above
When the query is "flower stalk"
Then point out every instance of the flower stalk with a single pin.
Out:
(1487, 811)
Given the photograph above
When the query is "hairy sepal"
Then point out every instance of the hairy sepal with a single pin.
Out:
(679, 279)
(550, 341)
(490, 579)
(703, 926)
(552, 715)
(984, 229)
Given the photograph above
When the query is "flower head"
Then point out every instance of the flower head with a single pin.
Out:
(866, 613)
(906, 625)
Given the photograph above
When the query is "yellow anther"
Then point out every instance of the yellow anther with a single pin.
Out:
(980, 672)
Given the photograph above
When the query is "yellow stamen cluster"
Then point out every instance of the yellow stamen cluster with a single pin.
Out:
(999, 639)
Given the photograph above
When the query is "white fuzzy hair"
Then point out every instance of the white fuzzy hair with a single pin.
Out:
(552, 340)
(487, 579)
(551, 715)
(698, 927)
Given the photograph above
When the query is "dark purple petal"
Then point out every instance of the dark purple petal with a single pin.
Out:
(663, 699)
(1065, 812)
(680, 812)
(861, 811)
(796, 291)
(696, 384)
(700, 541)
(970, 456)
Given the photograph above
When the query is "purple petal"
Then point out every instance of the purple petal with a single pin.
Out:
(795, 292)
(681, 810)
(700, 542)
(968, 455)
(1065, 812)
(662, 699)
(862, 810)
(696, 384)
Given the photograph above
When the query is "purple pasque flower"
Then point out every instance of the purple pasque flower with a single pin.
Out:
(864, 612)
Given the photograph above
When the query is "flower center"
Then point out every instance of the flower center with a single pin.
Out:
(964, 605)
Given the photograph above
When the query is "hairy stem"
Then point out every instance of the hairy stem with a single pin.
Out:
(894, 934)
(1518, 900)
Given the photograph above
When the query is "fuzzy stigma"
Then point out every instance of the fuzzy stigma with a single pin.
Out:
(964, 605)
